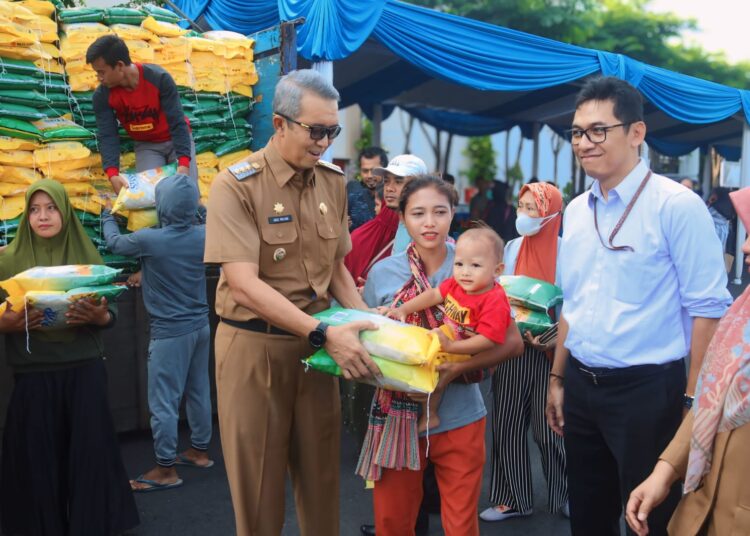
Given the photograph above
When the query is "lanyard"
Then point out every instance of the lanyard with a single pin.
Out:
(624, 216)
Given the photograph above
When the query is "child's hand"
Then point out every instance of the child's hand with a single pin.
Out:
(394, 313)
(445, 342)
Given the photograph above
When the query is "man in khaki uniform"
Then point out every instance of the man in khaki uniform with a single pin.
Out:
(277, 224)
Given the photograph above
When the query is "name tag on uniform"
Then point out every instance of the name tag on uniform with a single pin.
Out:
(280, 219)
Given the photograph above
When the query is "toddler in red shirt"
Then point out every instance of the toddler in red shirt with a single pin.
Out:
(474, 304)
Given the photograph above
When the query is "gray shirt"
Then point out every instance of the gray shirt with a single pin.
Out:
(461, 404)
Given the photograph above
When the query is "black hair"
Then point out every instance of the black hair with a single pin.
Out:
(450, 179)
(628, 102)
(420, 182)
(372, 152)
(111, 49)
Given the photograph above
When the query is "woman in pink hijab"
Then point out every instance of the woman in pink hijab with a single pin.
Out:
(711, 450)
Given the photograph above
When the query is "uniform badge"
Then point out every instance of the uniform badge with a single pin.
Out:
(243, 170)
(279, 255)
(323, 209)
(332, 167)
(278, 208)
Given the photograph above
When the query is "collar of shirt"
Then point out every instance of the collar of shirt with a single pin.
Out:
(623, 191)
(281, 169)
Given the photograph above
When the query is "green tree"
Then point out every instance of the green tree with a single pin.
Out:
(482, 158)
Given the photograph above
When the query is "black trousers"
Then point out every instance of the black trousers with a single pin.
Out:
(617, 423)
(62, 473)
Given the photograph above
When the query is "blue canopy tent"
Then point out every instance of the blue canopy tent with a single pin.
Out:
(471, 78)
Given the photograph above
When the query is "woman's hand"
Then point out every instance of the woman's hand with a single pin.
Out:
(87, 311)
(12, 322)
(533, 341)
(650, 494)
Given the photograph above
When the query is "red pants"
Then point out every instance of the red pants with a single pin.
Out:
(458, 456)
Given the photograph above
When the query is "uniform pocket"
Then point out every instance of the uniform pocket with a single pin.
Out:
(280, 233)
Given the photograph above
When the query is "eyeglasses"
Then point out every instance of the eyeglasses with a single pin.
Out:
(597, 134)
(317, 132)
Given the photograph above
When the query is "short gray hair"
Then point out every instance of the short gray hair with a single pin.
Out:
(291, 87)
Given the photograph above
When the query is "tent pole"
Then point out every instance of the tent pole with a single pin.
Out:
(377, 123)
(326, 69)
(535, 160)
(739, 263)
(706, 179)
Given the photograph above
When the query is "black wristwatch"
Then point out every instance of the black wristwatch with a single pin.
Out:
(687, 401)
(317, 337)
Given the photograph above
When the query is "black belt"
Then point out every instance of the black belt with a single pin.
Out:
(601, 375)
(257, 325)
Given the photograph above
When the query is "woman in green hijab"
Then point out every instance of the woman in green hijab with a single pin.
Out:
(62, 472)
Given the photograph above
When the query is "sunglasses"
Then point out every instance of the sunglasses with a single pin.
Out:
(317, 132)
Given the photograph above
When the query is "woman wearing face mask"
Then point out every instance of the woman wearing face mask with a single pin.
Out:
(520, 385)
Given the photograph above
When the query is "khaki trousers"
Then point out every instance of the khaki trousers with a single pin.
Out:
(274, 416)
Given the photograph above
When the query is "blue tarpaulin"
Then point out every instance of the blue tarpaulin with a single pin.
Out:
(432, 46)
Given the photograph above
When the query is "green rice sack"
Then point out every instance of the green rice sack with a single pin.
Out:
(10, 80)
(61, 129)
(16, 128)
(61, 278)
(530, 293)
(19, 111)
(537, 322)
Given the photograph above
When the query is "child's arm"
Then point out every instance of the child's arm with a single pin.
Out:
(425, 300)
(119, 244)
(473, 345)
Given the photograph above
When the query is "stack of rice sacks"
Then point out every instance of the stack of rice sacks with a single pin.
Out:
(214, 73)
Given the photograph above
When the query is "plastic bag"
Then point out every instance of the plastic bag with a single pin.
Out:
(395, 376)
(141, 190)
(55, 304)
(19, 111)
(38, 7)
(61, 151)
(530, 293)
(80, 14)
(16, 128)
(17, 144)
(123, 15)
(160, 13)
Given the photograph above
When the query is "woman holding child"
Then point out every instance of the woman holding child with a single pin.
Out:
(519, 385)
(394, 454)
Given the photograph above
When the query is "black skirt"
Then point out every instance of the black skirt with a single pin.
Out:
(62, 472)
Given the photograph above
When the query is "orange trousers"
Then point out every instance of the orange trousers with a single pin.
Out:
(458, 456)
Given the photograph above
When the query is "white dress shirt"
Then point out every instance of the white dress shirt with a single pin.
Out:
(628, 308)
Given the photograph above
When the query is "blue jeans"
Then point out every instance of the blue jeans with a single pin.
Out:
(178, 366)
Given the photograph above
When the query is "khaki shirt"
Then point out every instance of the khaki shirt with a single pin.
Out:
(292, 225)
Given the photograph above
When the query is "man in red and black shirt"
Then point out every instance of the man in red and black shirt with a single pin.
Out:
(145, 101)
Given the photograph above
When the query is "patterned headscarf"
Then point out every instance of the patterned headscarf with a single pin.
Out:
(537, 256)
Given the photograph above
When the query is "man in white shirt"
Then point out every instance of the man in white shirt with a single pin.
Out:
(644, 286)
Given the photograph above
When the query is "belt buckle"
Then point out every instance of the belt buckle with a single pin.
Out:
(591, 374)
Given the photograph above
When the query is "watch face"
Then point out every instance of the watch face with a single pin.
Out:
(317, 338)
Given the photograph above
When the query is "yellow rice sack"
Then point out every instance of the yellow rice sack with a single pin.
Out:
(84, 32)
(141, 190)
(80, 189)
(17, 144)
(206, 175)
(38, 7)
(162, 29)
(87, 203)
(50, 66)
(8, 189)
(61, 151)
(141, 219)
(11, 207)
(132, 32)
(24, 52)
(12, 33)
(19, 175)
(206, 160)
(127, 160)
(232, 158)
(17, 158)
(44, 28)
(140, 51)
(93, 160)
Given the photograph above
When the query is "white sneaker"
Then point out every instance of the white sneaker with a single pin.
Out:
(493, 514)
